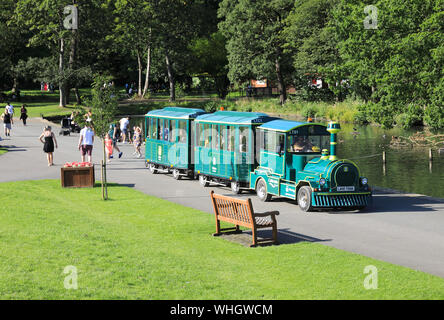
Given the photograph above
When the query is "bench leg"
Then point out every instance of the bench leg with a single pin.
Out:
(217, 227)
(253, 231)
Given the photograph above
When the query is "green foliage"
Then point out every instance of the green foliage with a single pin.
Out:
(103, 104)
(212, 106)
(255, 42)
(413, 116)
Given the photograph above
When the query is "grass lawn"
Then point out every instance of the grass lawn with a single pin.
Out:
(3, 151)
(140, 247)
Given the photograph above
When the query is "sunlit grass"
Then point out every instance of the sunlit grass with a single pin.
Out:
(136, 246)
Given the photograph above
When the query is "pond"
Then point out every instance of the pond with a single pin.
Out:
(406, 169)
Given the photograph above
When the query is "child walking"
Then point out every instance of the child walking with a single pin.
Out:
(137, 141)
(108, 147)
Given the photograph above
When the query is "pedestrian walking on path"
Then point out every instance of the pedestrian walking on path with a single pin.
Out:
(113, 135)
(10, 108)
(7, 122)
(23, 114)
(49, 141)
(124, 124)
(86, 142)
(137, 141)
(108, 147)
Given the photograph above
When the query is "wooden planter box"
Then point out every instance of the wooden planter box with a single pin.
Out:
(78, 177)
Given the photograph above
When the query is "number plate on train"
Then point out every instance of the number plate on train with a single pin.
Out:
(352, 188)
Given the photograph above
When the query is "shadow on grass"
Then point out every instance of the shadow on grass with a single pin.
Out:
(285, 236)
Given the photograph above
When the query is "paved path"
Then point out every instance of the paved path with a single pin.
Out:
(402, 229)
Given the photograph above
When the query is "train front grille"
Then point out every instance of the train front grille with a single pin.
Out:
(346, 200)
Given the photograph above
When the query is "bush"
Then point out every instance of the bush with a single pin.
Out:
(212, 106)
(309, 111)
(413, 117)
(434, 116)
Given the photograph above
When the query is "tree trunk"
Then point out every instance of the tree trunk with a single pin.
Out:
(148, 69)
(281, 84)
(77, 93)
(62, 85)
(170, 78)
(140, 67)
(72, 62)
(104, 180)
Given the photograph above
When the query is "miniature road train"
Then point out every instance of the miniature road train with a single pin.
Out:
(253, 151)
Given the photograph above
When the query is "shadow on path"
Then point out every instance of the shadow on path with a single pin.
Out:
(12, 148)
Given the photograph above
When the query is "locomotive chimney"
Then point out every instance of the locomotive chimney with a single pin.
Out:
(333, 128)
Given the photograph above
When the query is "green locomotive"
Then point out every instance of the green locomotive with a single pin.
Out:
(295, 163)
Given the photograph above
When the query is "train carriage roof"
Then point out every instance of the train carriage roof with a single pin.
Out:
(287, 125)
(234, 117)
(176, 113)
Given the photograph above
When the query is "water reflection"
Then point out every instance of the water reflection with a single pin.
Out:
(406, 169)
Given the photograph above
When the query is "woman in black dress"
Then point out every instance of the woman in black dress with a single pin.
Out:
(49, 140)
(23, 114)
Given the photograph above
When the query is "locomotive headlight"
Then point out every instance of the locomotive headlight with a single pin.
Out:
(364, 181)
(322, 182)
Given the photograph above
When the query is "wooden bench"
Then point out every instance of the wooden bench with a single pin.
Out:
(240, 213)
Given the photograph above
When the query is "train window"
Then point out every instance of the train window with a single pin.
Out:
(172, 130)
(243, 139)
(160, 129)
(280, 147)
(154, 128)
(308, 144)
(147, 128)
(230, 138)
(207, 135)
(183, 131)
(223, 137)
(165, 130)
(200, 134)
(215, 136)
(270, 141)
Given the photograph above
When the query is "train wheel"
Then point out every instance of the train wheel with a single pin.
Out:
(235, 187)
(261, 191)
(203, 181)
(176, 174)
(153, 168)
(304, 198)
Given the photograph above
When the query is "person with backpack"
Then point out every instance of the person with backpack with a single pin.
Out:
(7, 122)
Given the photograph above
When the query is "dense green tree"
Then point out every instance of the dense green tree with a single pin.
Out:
(255, 40)
(311, 43)
(210, 59)
(132, 34)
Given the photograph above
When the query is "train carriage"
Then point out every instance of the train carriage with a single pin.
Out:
(168, 140)
(225, 147)
(295, 163)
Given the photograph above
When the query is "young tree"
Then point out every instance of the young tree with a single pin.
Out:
(103, 104)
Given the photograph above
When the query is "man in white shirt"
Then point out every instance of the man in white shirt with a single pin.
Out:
(10, 109)
(124, 124)
(86, 142)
